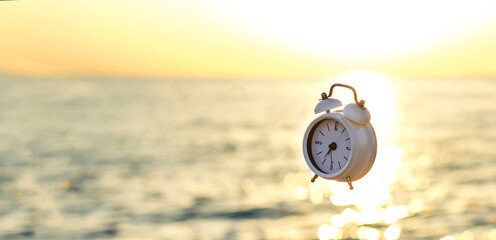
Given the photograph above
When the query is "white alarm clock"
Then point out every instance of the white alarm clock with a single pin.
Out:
(340, 145)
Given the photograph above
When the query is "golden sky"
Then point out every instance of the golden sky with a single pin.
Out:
(246, 39)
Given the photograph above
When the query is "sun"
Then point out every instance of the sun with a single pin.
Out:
(353, 30)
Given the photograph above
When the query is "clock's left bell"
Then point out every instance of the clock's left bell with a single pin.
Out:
(327, 104)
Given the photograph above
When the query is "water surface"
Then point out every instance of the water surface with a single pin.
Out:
(222, 159)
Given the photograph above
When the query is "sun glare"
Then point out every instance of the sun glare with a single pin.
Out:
(373, 191)
(358, 30)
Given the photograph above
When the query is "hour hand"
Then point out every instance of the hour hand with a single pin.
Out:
(330, 150)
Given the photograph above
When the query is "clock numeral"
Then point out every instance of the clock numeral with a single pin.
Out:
(343, 130)
(336, 126)
(339, 165)
(347, 139)
(328, 129)
(345, 158)
(319, 152)
(321, 133)
(348, 148)
(318, 142)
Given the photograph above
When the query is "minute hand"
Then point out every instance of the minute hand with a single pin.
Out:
(331, 160)
(330, 154)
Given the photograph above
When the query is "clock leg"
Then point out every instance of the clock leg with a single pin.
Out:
(348, 179)
(314, 177)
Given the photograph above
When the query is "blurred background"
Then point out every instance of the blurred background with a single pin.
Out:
(185, 119)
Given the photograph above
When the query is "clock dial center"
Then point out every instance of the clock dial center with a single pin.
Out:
(333, 146)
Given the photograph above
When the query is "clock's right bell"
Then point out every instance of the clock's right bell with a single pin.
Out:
(356, 113)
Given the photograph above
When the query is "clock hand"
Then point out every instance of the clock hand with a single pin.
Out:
(328, 152)
(331, 159)
(332, 146)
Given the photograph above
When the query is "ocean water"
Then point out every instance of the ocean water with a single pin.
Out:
(222, 159)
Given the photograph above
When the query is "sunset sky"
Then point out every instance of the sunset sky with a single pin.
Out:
(246, 39)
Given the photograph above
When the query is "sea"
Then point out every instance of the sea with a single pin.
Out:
(89, 158)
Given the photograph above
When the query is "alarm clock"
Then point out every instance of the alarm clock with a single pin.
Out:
(340, 145)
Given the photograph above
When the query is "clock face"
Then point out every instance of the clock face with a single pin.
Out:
(329, 146)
